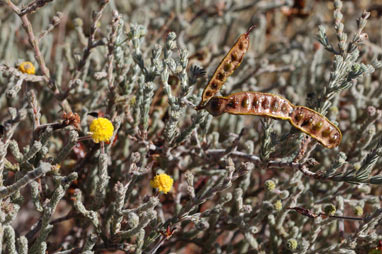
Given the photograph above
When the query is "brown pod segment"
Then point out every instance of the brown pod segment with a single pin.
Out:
(251, 103)
(216, 106)
(269, 105)
(226, 67)
(259, 104)
(316, 125)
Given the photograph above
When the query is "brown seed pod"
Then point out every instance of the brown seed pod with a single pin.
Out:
(269, 105)
(251, 103)
(226, 67)
(316, 125)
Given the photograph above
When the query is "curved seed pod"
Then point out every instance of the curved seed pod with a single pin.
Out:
(251, 103)
(316, 125)
(269, 105)
(226, 67)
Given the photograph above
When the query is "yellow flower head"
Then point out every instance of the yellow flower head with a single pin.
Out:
(102, 130)
(162, 182)
(27, 67)
(278, 205)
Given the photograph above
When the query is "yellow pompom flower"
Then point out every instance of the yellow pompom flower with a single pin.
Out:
(278, 205)
(27, 67)
(270, 185)
(162, 182)
(101, 130)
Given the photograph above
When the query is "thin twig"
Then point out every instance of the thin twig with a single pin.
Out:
(27, 178)
(302, 167)
(34, 6)
(110, 60)
(55, 22)
(91, 40)
(39, 58)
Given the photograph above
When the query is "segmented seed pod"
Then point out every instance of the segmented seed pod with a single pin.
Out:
(251, 103)
(269, 105)
(316, 125)
(226, 67)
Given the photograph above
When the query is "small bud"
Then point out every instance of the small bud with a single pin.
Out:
(246, 209)
(132, 220)
(356, 67)
(284, 194)
(270, 185)
(78, 22)
(278, 205)
(357, 166)
(333, 110)
(358, 210)
(292, 244)
(330, 210)
(253, 229)
(363, 36)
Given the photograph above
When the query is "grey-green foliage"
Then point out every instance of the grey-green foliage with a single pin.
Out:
(242, 184)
